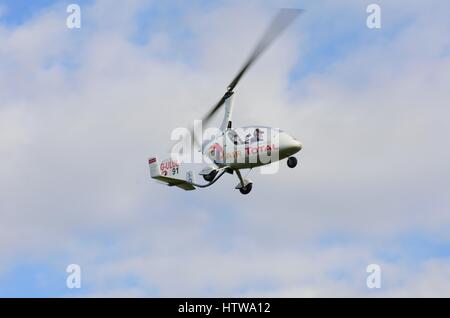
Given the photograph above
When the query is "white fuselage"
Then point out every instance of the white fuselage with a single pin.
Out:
(250, 147)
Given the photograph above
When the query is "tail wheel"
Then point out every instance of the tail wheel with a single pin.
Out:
(292, 162)
(210, 177)
(246, 189)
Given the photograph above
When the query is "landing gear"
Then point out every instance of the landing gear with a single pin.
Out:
(246, 189)
(210, 177)
(244, 186)
(292, 162)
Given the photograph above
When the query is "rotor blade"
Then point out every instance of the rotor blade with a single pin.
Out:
(210, 114)
(281, 21)
(213, 110)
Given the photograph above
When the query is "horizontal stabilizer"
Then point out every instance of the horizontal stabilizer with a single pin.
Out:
(170, 173)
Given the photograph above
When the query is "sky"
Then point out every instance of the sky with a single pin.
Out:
(82, 110)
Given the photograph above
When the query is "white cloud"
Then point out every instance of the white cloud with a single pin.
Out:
(74, 143)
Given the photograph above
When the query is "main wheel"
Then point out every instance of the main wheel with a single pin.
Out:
(210, 177)
(292, 162)
(246, 189)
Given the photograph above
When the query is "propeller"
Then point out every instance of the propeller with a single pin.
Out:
(279, 23)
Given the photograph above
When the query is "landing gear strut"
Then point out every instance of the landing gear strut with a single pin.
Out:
(292, 162)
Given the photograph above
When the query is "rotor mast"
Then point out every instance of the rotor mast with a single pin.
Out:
(229, 106)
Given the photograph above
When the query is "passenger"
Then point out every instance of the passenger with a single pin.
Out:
(235, 138)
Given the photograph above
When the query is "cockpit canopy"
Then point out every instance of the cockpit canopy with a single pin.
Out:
(249, 135)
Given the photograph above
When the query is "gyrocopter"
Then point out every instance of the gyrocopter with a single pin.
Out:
(231, 150)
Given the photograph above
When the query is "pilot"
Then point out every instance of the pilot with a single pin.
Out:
(258, 135)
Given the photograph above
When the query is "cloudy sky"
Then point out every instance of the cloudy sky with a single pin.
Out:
(81, 110)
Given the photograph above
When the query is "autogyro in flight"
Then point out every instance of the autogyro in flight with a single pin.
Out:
(231, 150)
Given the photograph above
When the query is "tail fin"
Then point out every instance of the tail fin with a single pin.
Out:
(170, 172)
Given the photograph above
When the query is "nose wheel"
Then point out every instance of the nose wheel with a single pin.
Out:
(292, 162)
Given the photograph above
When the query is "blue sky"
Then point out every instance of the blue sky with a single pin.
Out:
(88, 106)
